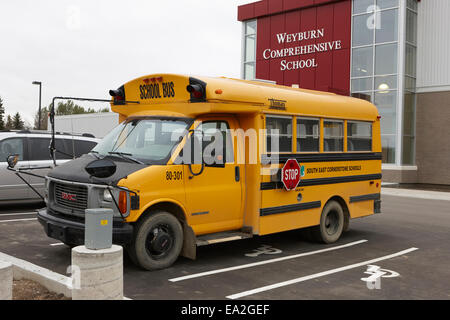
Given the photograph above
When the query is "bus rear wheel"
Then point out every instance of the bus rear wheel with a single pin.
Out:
(158, 241)
(331, 223)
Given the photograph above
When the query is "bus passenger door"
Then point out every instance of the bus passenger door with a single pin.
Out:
(214, 197)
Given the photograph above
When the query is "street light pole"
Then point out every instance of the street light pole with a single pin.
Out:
(39, 116)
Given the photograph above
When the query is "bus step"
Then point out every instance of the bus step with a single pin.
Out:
(221, 237)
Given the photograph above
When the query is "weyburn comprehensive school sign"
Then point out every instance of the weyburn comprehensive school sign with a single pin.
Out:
(299, 50)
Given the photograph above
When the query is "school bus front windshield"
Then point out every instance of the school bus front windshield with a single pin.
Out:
(147, 140)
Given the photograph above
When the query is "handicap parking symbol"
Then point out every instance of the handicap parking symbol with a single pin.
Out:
(264, 249)
(376, 273)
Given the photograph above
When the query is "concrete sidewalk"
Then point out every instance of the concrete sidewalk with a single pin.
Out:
(418, 194)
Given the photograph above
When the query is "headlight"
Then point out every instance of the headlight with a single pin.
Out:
(107, 195)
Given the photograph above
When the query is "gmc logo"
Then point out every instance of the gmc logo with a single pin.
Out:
(68, 196)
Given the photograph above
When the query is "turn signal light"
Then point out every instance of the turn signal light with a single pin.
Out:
(123, 202)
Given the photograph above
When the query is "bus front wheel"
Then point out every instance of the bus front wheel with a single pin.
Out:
(331, 223)
(158, 241)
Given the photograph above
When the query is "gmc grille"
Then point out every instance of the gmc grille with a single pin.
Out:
(71, 196)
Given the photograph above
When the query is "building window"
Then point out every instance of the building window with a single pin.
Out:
(387, 30)
(375, 51)
(308, 135)
(333, 135)
(249, 50)
(279, 134)
(362, 59)
(359, 136)
(386, 59)
(388, 84)
(409, 96)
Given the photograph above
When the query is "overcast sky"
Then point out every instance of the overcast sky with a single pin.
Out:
(84, 48)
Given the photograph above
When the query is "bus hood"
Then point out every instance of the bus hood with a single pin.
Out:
(74, 170)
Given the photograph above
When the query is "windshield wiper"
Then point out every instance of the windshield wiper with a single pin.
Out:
(127, 156)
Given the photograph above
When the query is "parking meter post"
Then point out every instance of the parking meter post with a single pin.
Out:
(98, 228)
(6, 280)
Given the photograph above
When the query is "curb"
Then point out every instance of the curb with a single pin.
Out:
(53, 281)
(418, 194)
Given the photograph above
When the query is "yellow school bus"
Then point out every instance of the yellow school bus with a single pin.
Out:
(198, 160)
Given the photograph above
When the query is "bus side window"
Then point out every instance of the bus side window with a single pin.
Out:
(308, 135)
(217, 146)
(359, 136)
(333, 135)
(279, 134)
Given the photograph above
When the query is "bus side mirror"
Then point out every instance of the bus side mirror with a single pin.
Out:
(12, 160)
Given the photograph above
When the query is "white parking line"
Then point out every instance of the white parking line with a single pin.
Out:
(15, 220)
(57, 244)
(249, 265)
(317, 275)
(16, 214)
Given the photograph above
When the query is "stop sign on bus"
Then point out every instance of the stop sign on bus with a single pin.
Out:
(290, 174)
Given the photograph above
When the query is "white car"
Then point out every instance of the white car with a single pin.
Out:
(33, 150)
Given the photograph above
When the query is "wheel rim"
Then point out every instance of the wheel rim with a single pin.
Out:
(332, 222)
(160, 241)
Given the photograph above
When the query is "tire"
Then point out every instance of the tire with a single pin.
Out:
(346, 223)
(158, 241)
(331, 223)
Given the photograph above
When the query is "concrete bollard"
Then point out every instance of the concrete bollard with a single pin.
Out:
(97, 274)
(6, 280)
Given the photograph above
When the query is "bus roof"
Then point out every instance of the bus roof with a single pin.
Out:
(192, 96)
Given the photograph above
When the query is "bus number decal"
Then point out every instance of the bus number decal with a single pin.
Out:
(174, 175)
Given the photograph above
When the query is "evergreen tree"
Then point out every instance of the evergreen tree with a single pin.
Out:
(2, 114)
(18, 123)
(9, 123)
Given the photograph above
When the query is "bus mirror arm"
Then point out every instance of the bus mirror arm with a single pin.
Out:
(195, 173)
(18, 173)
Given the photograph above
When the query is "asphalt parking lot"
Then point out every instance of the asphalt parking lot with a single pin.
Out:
(408, 245)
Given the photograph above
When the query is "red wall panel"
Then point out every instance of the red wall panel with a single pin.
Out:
(263, 40)
(261, 8)
(292, 25)
(328, 70)
(342, 25)
(246, 12)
